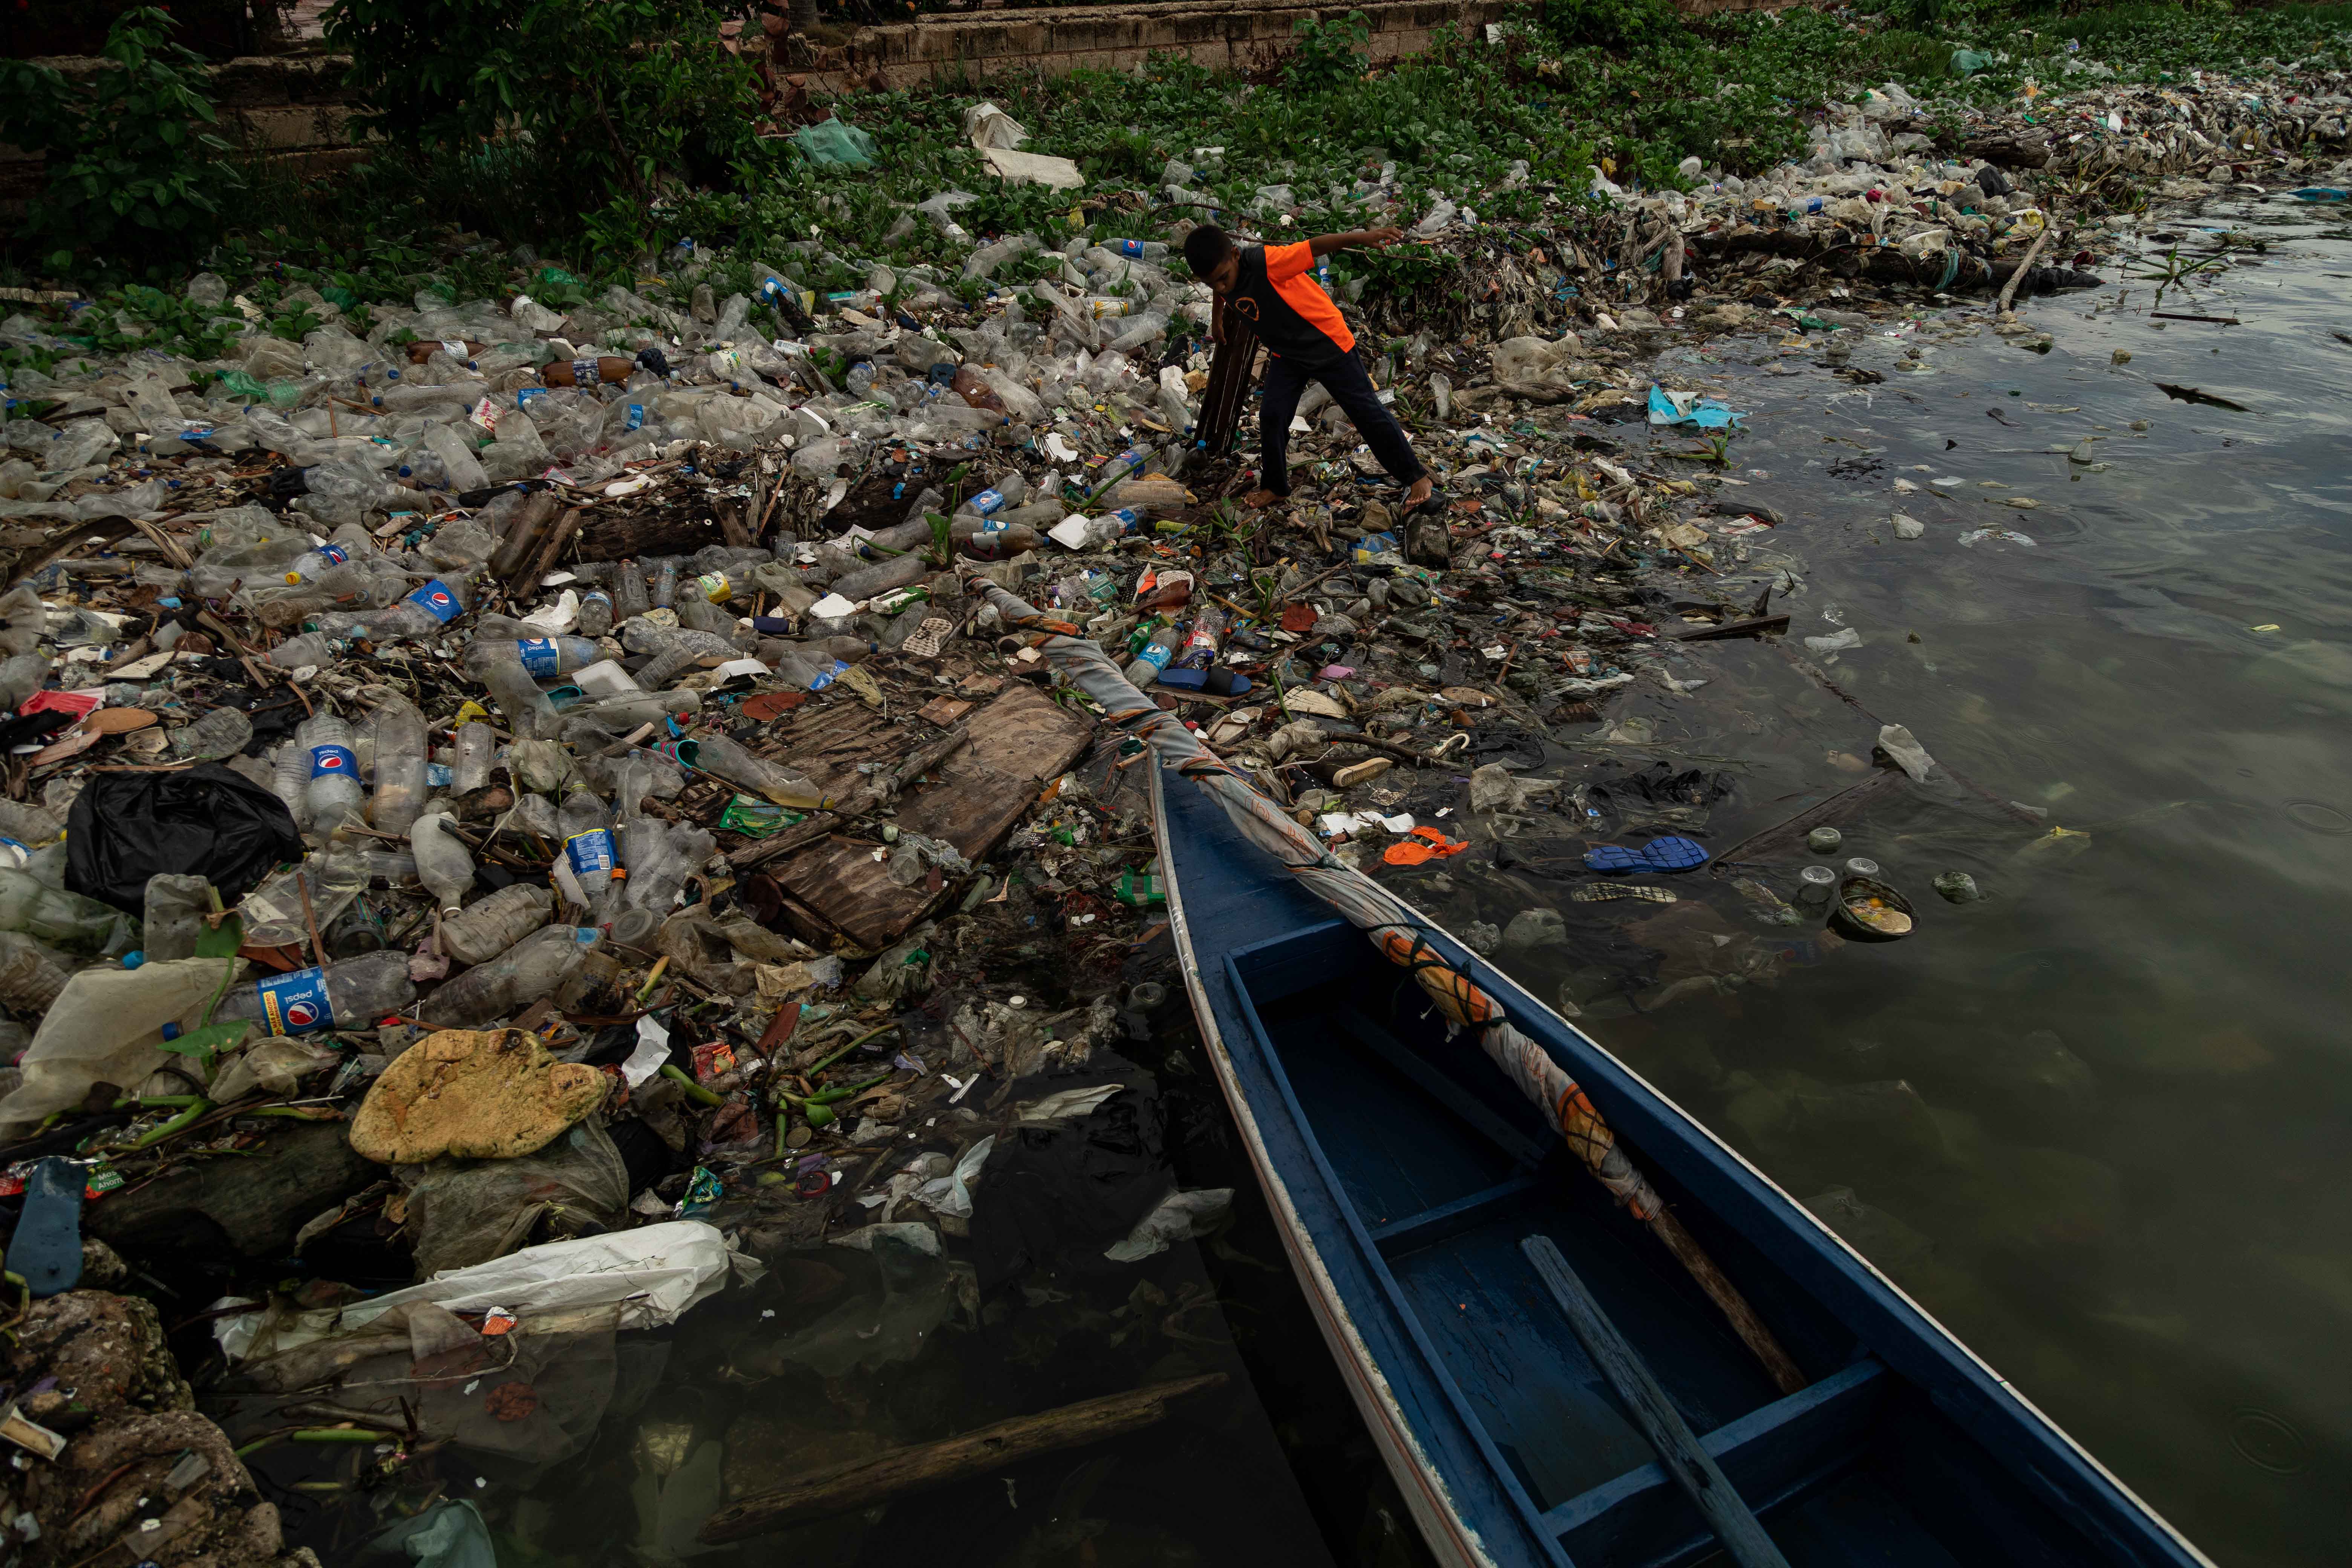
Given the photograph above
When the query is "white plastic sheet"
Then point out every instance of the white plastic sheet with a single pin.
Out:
(1023, 168)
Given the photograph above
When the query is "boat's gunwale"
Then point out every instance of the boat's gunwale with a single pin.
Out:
(1860, 1273)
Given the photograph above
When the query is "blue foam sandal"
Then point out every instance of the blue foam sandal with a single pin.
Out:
(1670, 853)
(46, 1247)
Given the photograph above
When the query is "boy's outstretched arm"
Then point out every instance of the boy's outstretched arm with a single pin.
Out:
(1354, 239)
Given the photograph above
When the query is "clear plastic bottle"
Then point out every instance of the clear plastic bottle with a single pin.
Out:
(537, 966)
(1153, 658)
(588, 844)
(625, 711)
(443, 864)
(674, 649)
(222, 733)
(354, 994)
(527, 712)
(174, 916)
(21, 675)
(901, 572)
(595, 616)
(63, 919)
(696, 612)
(1201, 647)
(399, 730)
(1137, 249)
(424, 613)
(290, 779)
(661, 857)
(349, 588)
(309, 565)
(460, 468)
(984, 542)
(477, 750)
(275, 913)
(334, 788)
(629, 597)
(544, 658)
(31, 975)
(1008, 491)
(723, 758)
(309, 648)
(222, 571)
(483, 930)
(665, 591)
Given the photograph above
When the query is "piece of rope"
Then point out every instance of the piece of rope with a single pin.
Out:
(1403, 940)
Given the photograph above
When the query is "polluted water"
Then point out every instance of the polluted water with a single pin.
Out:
(570, 974)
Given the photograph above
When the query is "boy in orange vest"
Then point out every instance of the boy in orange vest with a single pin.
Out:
(1273, 288)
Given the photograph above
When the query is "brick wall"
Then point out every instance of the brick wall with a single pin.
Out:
(291, 107)
(1235, 35)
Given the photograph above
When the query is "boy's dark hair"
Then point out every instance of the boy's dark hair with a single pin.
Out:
(1204, 248)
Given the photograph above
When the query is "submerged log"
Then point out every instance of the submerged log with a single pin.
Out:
(862, 1483)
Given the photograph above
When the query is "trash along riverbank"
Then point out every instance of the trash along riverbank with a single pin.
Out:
(523, 829)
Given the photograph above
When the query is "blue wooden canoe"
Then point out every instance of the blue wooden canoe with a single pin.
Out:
(1406, 1174)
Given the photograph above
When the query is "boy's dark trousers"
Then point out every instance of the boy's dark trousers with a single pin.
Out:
(1352, 390)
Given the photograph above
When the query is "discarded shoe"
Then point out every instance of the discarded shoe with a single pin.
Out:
(46, 1247)
(1670, 853)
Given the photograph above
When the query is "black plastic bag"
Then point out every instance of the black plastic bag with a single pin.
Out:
(207, 821)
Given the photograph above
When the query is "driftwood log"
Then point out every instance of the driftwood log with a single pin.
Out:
(638, 535)
(862, 1483)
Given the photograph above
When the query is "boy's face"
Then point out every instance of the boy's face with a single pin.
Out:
(1226, 273)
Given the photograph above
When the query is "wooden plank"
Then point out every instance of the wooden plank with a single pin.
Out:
(1020, 740)
(862, 1483)
(1775, 1456)
(1754, 627)
(1646, 1405)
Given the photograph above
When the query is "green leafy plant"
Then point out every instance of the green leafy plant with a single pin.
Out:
(1329, 54)
(131, 170)
(577, 112)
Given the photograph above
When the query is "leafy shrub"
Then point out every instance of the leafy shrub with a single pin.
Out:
(131, 171)
(606, 100)
(1329, 54)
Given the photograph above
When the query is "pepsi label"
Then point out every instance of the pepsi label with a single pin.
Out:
(590, 853)
(298, 1002)
(994, 525)
(1131, 247)
(538, 655)
(437, 600)
(327, 761)
(333, 554)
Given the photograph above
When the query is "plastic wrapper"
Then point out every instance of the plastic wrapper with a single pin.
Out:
(107, 1026)
(467, 1211)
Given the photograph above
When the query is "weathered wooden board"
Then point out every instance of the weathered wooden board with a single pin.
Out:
(1019, 740)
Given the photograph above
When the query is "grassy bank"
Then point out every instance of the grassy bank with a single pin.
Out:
(1624, 85)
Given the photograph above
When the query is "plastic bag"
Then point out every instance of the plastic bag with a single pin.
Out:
(449, 1534)
(985, 125)
(277, 1064)
(207, 821)
(462, 1213)
(829, 144)
(106, 1026)
(1179, 1217)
